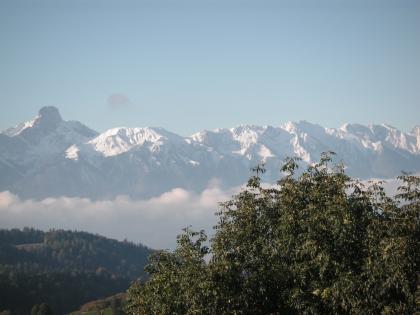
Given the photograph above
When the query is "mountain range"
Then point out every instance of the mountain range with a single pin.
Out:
(49, 157)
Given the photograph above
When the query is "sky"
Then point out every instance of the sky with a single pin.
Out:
(192, 65)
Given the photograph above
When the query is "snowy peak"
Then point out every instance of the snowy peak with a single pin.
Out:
(233, 141)
(14, 131)
(255, 143)
(49, 156)
(302, 126)
(44, 137)
(354, 128)
(376, 137)
(120, 140)
(415, 131)
(47, 120)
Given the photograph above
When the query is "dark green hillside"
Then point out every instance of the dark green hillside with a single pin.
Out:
(64, 268)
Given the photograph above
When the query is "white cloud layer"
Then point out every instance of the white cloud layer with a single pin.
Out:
(154, 222)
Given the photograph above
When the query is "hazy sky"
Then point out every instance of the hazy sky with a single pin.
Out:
(192, 65)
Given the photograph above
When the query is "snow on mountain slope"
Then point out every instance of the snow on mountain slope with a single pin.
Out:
(47, 133)
(48, 156)
(29, 148)
(120, 140)
(251, 142)
(34, 143)
(415, 133)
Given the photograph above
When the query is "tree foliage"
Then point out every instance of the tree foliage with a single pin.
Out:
(316, 243)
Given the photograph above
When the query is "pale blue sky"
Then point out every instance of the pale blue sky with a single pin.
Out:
(192, 65)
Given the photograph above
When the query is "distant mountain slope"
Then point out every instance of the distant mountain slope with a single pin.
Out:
(51, 157)
(64, 268)
(31, 152)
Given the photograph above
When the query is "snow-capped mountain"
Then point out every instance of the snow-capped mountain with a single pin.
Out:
(30, 152)
(48, 156)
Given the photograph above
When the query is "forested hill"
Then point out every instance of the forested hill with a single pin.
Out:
(64, 268)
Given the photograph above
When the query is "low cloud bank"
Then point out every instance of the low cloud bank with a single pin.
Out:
(154, 222)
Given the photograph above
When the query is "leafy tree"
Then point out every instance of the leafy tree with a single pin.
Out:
(317, 243)
(178, 283)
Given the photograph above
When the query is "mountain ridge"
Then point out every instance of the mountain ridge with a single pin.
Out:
(48, 156)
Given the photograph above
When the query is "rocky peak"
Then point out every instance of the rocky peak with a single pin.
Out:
(49, 114)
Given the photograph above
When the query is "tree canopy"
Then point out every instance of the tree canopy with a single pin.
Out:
(316, 243)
